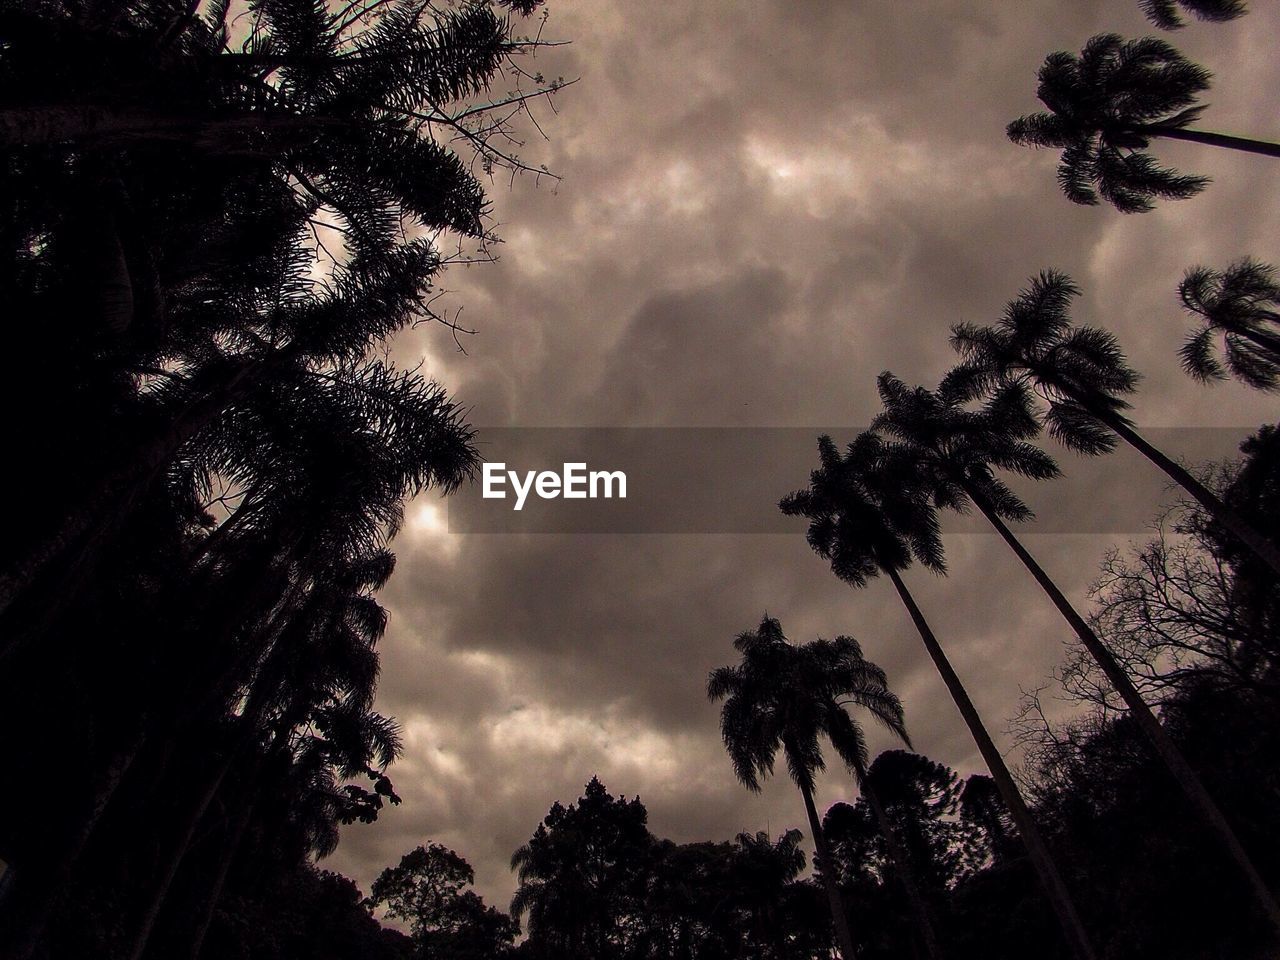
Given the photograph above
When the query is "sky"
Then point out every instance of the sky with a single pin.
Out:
(763, 204)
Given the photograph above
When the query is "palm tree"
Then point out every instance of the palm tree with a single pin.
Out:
(1106, 106)
(954, 450)
(322, 357)
(1240, 305)
(762, 868)
(866, 518)
(322, 120)
(788, 696)
(1164, 13)
(1083, 377)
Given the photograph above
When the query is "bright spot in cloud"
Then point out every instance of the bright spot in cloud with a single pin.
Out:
(427, 523)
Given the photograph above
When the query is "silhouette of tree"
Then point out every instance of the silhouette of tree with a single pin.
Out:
(1239, 305)
(426, 890)
(324, 124)
(221, 240)
(785, 696)
(867, 516)
(582, 875)
(1164, 13)
(1105, 108)
(982, 806)
(1083, 376)
(955, 450)
(763, 868)
(1176, 610)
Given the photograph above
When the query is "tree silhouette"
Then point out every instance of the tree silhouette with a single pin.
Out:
(220, 239)
(1238, 304)
(785, 696)
(1164, 13)
(955, 450)
(764, 867)
(337, 125)
(1084, 378)
(582, 874)
(867, 516)
(1105, 107)
(1190, 605)
(427, 891)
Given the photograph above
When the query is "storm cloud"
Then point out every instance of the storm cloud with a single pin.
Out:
(763, 205)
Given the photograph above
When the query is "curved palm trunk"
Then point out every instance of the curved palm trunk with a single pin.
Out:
(838, 916)
(1264, 147)
(1041, 859)
(902, 868)
(1243, 531)
(1188, 780)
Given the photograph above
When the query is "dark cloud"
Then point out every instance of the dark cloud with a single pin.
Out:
(764, 205)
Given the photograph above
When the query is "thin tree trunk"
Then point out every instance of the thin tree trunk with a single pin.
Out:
(1054, 886)
(1267, 551)
(178, 851)
(1263, 147)
(250, 721)
(825, 870)
(902, 868)
(214, 894)
(1188, 780)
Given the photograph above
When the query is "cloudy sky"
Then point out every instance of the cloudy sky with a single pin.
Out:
(764, 204)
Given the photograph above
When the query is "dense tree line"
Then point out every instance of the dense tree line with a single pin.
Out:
(214, 218)
(923, 862)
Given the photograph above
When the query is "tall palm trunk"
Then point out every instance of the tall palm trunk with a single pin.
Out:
(902, 868)
(230, 848)
(177, 850)
(825, 870)
(1246, 144)
(1243, 531)
(250, 722)
(1188, 780)
(1041, 859)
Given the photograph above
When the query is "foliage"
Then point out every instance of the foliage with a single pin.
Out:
(1239, 305)
(426, 891)
(1104, 106)
(1165, 14)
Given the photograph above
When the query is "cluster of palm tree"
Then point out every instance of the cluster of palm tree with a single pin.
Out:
(222, 219)
(873, 507)
(873, 510)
